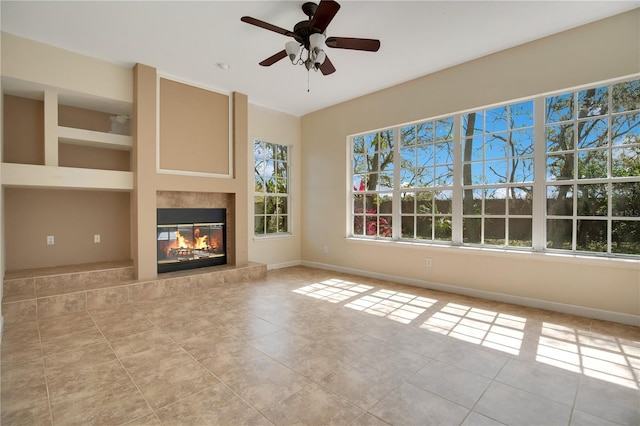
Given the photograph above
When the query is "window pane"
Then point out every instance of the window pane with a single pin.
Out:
(444, 153)
(472, 201)
(359, 146)
(496, 120)
(444, 202)
(384, 226)
(625, 199)
(283, 205)
(626, 96)
(625, 237)
(560, 167)
(424, 202)
(443, 176)
(444, 129)
(472, 124)
(494, 231)
(522, 115)
(408, 136)
(593, 133)
(522, 170)
(358, 204)
(495, 172)
(408, 158)
(522, 142)
(259, 225)
(593, 102)
(371, 226)
(272, 224)
(442, 229)
(560, 137)
(625, 161)
(425, 155)
(593, 164)
(592, 235)
(407, 202)
(358, 225)
(270, 205)
(521, 201)
(560, 200)
(425, 132)
(281, 186)
(625, 129)
(473, 149)
(259, 184)
(495, 201)
(559, 233)
(559, 108)
(259, 205)
(282, 224)
(520, 232)
(592, 200)
(407, 227)
(423, 228)
(385, 203)
(471, 230)
(496, 146)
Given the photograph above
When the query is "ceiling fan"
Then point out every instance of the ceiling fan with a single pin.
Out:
(309, 40)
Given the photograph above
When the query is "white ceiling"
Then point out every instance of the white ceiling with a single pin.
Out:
(186, 40)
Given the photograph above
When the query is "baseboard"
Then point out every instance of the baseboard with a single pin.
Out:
(284, 265)
(482, 294)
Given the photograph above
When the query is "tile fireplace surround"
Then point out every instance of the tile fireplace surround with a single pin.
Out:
(48, 292)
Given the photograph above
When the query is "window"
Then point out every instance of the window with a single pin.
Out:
(372, 196)
(497, 176)
(593, 169)
(558, 172)
(271, 188)
(426, 180)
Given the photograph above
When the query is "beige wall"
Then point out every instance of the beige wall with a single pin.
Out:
(73, 218)
(194, 129)
(23, 130)
(276, 127)
(602, 50)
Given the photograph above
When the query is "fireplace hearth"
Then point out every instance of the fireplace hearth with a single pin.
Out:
(191, 238)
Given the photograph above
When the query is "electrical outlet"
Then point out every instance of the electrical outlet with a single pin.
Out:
(50, 240)
(429, 262)
(325, 249)
(96, 238)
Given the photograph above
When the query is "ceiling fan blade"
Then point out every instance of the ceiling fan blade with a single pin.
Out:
(266, 26)
(327, 9)
(327, 67)
(273, 59)
(368, 44)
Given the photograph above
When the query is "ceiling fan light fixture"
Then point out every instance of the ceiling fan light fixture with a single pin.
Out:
(293, 49)
(320, 58)
(316, 42)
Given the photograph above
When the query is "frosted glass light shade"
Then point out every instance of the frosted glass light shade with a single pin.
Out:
(316, 41)
(292, 48)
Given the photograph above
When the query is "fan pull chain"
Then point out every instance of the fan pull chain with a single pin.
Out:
(308, 81)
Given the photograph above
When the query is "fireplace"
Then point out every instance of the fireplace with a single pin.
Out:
(191, 238)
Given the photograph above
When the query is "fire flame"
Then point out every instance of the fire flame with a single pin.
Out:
(200, 242)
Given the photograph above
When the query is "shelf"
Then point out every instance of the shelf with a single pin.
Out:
(95, 139)
(36, 176)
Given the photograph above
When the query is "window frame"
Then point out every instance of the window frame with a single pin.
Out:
(278, 197)
(539, 184)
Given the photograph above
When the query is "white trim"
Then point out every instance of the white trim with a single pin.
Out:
(489, 295)
(282, 265)
(159, 170)
(271, 237)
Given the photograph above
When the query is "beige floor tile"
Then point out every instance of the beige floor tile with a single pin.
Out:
(156, 360)
(113, 406)
(61, 325)
(69, 342)
(175, 384)
(475, 419)
(473, 358)
(608, 401)
(361, 384)
(314, 360)
(136, 343)
(148, 420)
(313, 405)
(455, 384)
(266, 383)
(409, 405)
(509, 405)
(79, 359)
(231, 358)
(368, 419)
(38, 415)
(217, 405)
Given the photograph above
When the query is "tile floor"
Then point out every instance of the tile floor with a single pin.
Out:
(307, 346)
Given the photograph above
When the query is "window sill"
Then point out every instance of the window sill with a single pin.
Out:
(272, 237)
(556, 257)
